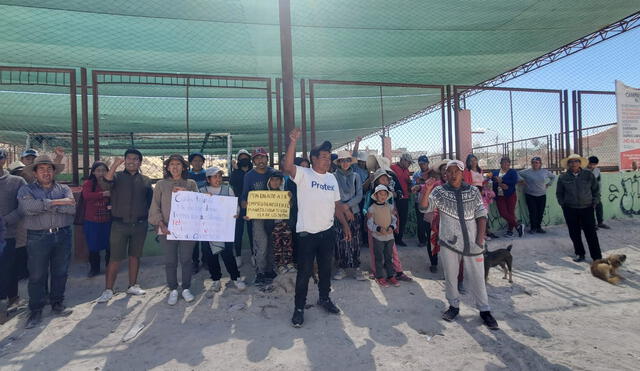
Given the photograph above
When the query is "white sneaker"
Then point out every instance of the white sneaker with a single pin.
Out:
(238, 261)
(187, 295)
(282, 269)
(240, 285)
(105, 297)
(135, 290)
(216, 286)
(291, 268)
(359, 275)
(173, 297)
(339, 274)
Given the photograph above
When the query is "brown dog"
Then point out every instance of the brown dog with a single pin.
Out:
(501, 257)
(606, 269)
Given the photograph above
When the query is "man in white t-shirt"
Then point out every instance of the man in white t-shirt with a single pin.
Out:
(318, 202)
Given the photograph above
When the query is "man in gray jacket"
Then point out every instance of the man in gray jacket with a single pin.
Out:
(578, 193)
(10, 216)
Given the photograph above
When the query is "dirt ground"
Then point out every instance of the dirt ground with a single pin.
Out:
(555, 316)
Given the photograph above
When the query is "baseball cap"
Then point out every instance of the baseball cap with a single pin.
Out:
(213, 170)
(423, 159)
(407, 157)
(29, 152)
(457, 163)
(260, 151)
(536, 158)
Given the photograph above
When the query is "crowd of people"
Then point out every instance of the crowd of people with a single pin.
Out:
(339, 203)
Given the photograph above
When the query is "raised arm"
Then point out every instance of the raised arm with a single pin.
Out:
(288, 166)
(356, 146)
(112, 170)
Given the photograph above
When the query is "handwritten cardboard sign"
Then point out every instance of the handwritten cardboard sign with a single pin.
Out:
(202, 217)
(268, 205)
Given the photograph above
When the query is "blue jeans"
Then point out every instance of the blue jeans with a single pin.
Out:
(48, 253)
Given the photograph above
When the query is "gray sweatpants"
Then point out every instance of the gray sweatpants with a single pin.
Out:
(262, 247)
(174, 252)
(473, 278)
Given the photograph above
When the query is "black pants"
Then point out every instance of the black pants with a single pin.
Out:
(433, 259)
(319, 247)
(240, 222)
(582, 220)
(213, 262)
(536, 205)
(403, 212)
(599, 213)
(8, 273)
(195, 256)
(421, 225)
(94, 260)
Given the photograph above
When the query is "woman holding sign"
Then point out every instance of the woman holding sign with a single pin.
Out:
(225, 249)
(175, 180)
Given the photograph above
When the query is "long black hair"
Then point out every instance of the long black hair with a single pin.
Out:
(468, 162)
(92, 176)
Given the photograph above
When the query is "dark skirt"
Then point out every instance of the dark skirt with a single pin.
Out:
(347, 253)
(96, 235)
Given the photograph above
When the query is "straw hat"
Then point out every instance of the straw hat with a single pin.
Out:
(343, 155)
(438, 164)
(583, 161)
(377, 161)
(40, 160)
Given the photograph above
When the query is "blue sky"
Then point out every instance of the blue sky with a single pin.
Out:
(595, 68)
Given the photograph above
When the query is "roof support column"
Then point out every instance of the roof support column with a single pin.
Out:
(286, 56)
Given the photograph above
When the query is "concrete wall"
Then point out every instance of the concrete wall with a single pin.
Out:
(620, 199)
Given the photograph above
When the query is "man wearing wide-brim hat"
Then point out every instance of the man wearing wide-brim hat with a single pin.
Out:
(49, 209)
(578, 193)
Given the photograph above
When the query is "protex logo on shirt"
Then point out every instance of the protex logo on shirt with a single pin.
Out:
(324, 187)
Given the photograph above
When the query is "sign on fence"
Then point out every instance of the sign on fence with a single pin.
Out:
(628, 112)
(268, 204)
(202, 217)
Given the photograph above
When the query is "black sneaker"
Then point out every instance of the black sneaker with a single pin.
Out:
(35, 318)
(260, 279)
(578, 258)
(520, 230)
(401, 243)
(60, 310)
(603, 226)
(450, 314)
(328, 305)
(488, 319)
(298, 318)
(433, 269)
(195, 267)
(540, 230)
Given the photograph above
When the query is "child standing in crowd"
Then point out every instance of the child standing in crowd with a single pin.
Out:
(281, 235)
(347, 253)
(487, 198)
(383, 177)
(381, 221)
(197, 174)
(175, 180)
(97, 216)
(216, 187)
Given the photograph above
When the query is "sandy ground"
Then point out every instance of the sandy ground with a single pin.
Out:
(554, 316)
